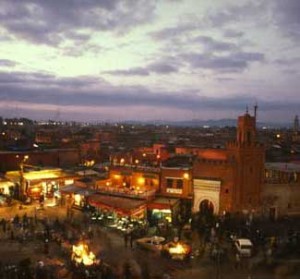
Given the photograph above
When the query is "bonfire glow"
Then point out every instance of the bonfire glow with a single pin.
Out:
(81, 254)
(179, 249)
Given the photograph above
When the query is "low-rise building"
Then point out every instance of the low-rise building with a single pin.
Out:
(281, 189)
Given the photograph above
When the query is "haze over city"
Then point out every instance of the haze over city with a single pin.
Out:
(147, 60)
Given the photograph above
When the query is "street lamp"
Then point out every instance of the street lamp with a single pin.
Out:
(22, 182)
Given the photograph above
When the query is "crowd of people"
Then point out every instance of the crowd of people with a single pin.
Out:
(62, 233)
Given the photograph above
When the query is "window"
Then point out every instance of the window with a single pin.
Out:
(169, 183)
(179, 184)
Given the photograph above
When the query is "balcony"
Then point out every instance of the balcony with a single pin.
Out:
(126, 192)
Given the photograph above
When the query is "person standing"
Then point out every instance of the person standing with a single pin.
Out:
(131, 239)
(127, 271)
(126, 239)
(237, 260)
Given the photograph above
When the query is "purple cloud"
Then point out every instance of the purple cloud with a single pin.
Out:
(233, 62)
(91, 91)
(213, 45)
(7, 63)
(231, 33)
(286, 15)
(52, 21)
(163, 67)
(172, 32)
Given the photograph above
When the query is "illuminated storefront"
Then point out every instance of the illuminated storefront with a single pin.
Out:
(135, 179)
(76, 195)
(163, 209)
(44, 183)
(119, 205)
(6, 187)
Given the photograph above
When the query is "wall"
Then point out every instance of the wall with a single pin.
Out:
(184, 174)
(285, 198)
(222, 171)
(53, 158)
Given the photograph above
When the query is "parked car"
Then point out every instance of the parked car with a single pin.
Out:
(152, 243)
(244, 247)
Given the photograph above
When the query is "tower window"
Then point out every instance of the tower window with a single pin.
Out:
(249, 137)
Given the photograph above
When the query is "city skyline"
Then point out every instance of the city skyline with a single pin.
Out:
(148, 60)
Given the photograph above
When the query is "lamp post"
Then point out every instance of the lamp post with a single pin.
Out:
(22, 180)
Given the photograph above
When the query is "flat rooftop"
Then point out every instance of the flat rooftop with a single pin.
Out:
(284, 167)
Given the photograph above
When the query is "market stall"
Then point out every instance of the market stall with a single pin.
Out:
(118, 212)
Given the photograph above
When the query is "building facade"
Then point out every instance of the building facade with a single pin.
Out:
(230, 179)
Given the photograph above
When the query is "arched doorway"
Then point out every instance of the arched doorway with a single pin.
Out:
(206, 207)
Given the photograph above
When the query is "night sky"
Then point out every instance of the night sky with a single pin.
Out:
(114, 60)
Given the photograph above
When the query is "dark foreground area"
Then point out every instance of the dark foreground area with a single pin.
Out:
(39, 245)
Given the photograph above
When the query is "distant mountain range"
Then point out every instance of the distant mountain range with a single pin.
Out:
(209, 123)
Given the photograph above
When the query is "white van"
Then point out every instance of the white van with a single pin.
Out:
(244, 247)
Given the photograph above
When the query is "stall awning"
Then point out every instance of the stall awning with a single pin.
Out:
(163, 203)
(124, 206)
(6, 183)
(74, 189)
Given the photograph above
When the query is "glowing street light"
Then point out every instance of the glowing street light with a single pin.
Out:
(22, 182)
(186, 175)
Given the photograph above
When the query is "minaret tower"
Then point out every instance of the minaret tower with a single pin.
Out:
(255, 111)
(246, 131)
(248, 156)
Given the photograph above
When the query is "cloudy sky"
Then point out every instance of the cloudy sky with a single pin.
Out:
(94, 60)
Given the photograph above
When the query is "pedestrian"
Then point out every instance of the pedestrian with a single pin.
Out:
(25, 220)
(145, 270)
(4, 226)
(46, 246)
(35, 216)
(127, 271)
(166, 276)
(126, 239)
(131, 239)
(12, 235)
(237, 260)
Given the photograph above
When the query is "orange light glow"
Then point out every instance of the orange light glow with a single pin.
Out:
(179, 249)
(77, 198)
(186, 175)
(81, 254)
(141, 180)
